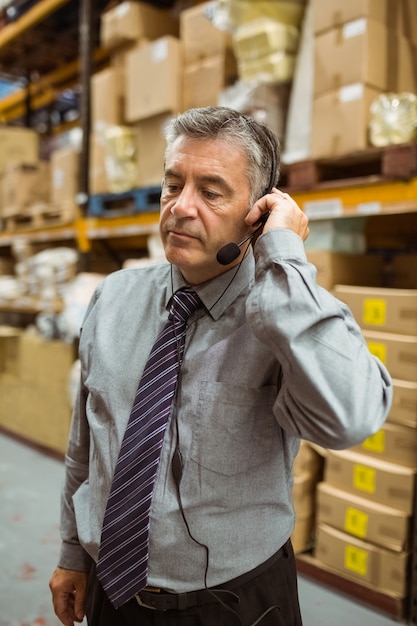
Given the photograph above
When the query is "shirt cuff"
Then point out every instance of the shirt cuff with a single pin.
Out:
(74, 557)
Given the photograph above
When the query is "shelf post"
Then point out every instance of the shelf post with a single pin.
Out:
(87, 9)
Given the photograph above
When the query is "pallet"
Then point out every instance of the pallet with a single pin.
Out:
(364, 167)
(126, 203)
(394, 607)
(36, 217)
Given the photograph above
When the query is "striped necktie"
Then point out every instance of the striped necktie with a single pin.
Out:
(123, 556)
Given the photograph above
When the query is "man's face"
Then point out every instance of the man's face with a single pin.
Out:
(205, 197)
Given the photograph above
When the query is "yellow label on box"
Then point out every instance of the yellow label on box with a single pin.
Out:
(379, 350)
(375, 443)
(364, 478)
(356, 560)
(356, 522)
(374, 311)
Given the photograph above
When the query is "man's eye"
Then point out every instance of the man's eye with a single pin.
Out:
(211, 195)
(171, 188)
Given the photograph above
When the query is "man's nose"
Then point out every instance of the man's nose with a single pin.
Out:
(186, 203)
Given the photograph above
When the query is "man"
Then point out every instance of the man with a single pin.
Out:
(269, 358)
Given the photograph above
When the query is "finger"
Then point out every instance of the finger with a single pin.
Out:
(64, 610)
(79, 605)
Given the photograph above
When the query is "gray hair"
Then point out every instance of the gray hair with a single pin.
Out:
(255, 140)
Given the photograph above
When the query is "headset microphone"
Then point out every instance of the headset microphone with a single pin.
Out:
(231, 251)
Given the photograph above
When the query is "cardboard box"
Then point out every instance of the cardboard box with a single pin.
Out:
(23, 186)
(18, 146)
(34, 389)
(351, 269)
(64, 176)
(327, 16)
(11, 397)
(308, 469)
(377, 480)
(362, 562)
(402, 274)
(340, 120)
(154, 79)
(378, 308)
(308, 461)
(304, 494)
(44, 363)
(302, 537)
(400, 16)
(97, 172)
(204, 80)
(129, 22)
(44, 415)
(38, 414)
(404, 403)
(393, 442)
(107, 99)
(151, 146)
(200, 37)
(370, 521)
(9, 350)
(362, 51)
(397, 352)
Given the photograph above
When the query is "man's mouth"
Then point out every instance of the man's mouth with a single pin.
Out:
(181, 234)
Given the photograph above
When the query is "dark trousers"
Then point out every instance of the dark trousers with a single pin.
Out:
(270, 590)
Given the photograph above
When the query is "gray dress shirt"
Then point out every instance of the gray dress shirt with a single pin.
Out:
(269, 359)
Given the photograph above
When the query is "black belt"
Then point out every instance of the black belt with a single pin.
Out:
(161, 600)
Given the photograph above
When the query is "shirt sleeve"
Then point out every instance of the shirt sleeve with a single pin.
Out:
(333, 392)
(72, 554)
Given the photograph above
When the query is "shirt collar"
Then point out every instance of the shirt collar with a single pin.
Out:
(218, 293)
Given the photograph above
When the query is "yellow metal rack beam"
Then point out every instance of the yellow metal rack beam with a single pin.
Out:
(33, 16)
(382, 197)
(45, 90)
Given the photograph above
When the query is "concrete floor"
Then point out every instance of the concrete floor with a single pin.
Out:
(30, 483)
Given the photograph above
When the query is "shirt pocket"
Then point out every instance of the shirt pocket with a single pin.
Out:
(235, 428)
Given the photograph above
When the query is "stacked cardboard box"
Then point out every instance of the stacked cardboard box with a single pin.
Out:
(34, 376)
(308, 471)
(21, 172)
(139, 90)
(340, 267)
(64, 172)
(361, 49)
(24, 185)
(32, 188)
(365, 504)
(364, 510)
(209, 60)
(164, 61)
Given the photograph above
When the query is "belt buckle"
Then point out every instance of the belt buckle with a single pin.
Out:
(142, 603)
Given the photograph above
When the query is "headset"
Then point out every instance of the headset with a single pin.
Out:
(231, 251)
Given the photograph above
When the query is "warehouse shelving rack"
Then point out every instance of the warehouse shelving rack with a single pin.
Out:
(369, 197)
(362, 200)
